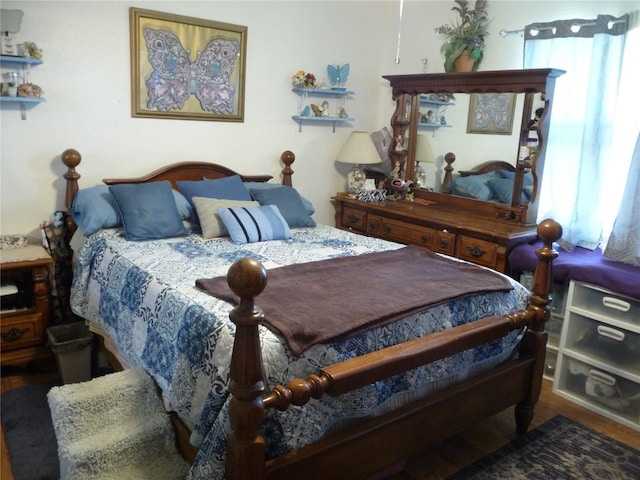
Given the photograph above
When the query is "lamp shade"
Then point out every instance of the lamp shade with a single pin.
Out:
(359, 149)
(424, 152)
(425, 174)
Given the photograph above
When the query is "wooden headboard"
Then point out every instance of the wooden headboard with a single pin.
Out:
(486, 167)
(173, 172)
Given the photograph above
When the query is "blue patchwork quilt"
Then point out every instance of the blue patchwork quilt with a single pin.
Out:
(142, 295)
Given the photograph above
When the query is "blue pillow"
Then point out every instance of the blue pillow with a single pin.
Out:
(228, 188)
(527, 180)
(148, 210)
(185, 209)
(308, 206)
(254, 224)
(503, 190)
(474, 186)
(94, 208)
(288, 201)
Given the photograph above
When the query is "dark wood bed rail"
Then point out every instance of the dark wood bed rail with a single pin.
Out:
(177, 171)
(248, 278)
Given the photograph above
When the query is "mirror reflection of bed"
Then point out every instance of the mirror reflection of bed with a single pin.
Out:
(475, 174)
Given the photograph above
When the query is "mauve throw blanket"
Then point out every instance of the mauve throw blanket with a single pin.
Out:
(316, 302)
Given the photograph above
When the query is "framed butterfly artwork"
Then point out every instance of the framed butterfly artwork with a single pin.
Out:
(186, 68)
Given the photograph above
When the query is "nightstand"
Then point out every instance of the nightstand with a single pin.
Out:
(24, 311)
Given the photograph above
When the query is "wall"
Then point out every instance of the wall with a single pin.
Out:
(86, 78)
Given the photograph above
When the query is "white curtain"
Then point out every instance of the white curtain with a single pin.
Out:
(594, 112)
(624, 243)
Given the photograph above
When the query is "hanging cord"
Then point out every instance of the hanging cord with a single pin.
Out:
(399, 31)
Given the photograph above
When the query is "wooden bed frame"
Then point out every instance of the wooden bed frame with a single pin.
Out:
(375, 444)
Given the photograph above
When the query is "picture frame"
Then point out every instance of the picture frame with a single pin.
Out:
(491, 113)
(186, 68)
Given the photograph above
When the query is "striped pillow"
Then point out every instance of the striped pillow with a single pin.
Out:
(254, 224)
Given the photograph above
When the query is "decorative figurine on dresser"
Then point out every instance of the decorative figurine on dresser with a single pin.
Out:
(25, 311)
(478, 214)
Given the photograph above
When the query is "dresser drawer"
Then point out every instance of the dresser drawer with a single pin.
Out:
(602, 304)
(399, 231)
(445, 242)
(403, 232)
(477, 251)
(21, 331)
(599, 389)
(604, 343)
(353, 219)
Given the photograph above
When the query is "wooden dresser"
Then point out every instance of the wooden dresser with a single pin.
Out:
(478, 240)
(24, 323)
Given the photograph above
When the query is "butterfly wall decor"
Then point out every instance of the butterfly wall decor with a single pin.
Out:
(175, 77)
(338, 74)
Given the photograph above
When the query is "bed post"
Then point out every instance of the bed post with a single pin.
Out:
(287, 158)
(247, 278)
(71, 158)
(535, 340)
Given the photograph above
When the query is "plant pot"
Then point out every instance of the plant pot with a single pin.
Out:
(464, 63)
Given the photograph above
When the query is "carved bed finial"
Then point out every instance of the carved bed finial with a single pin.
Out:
(71, 158)
(287, 158)
(447, 182)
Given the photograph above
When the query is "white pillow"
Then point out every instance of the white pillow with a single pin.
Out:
(207, 209)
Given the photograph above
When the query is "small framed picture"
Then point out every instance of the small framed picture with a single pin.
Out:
(491, 113)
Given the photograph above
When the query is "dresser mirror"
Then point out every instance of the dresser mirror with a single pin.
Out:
(505, 151)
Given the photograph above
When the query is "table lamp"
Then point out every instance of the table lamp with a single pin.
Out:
(358, 150)
(424, 154)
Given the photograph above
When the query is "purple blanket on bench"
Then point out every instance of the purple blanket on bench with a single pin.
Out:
(582, 265)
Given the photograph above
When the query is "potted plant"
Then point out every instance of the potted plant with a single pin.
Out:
(465, 34)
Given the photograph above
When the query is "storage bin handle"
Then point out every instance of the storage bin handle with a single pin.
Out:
(616, 304)
(602, 377)
(611, 333)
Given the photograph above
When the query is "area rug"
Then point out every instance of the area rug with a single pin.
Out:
(114, 427)
(29, 434)
(559, 449)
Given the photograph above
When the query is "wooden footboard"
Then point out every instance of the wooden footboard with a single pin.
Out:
(378, 443)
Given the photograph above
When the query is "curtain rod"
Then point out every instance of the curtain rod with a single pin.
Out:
(611, 23)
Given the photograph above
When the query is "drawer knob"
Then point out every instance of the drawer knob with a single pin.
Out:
(352, 219)
(476, 251)
(14, 334)
(444, 243)
(387, 229)
(424, 238)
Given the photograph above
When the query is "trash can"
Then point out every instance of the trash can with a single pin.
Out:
(71, 344)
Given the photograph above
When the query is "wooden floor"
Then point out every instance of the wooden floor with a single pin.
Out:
(443, 459)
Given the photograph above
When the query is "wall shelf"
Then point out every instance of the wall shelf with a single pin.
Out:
(21, 100)
(335, 93)
(12, 59)
(26, 63)
(439, 106)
